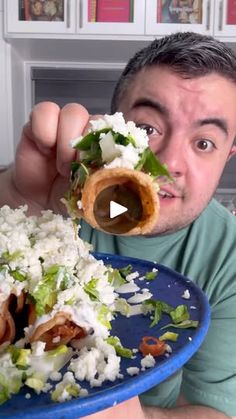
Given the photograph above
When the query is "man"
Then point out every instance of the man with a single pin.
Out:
(182, 90)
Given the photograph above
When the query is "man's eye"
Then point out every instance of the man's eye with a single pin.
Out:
(205, 145)
(149, 129)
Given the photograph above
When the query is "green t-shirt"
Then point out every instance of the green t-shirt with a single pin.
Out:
(205, 252)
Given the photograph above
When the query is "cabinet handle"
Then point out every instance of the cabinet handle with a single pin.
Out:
(80, 14)
(208, 15)
(220, 27)
(68, 14)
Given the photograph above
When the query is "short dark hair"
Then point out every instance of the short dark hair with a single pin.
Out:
(187, 53)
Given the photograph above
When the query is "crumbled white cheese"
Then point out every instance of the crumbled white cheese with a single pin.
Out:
(55, 376)
(127, 288)
(132, 276)
(139, 297)
(79, 204)
(117, 155)
(96, 364)
(168, 348)
(186, 295)
(62, 388)
(38, 348)
(132, 371)
(148, 362)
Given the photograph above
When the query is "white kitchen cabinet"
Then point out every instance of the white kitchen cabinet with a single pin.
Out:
(164, 17)
(147, 19)
(225, 19)
(210, 17)
(73, 20)
(19, 20)
(133, 22)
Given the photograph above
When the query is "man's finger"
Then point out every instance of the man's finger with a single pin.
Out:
(72, 121)
(44, 123)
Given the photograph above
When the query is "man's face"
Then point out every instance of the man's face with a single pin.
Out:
(191, 125)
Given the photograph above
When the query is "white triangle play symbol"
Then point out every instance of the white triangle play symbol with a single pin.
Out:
(116, 209)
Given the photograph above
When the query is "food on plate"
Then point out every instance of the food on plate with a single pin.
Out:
(116, 164)
(58, 304)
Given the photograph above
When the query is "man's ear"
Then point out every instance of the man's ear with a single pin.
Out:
(232, 152)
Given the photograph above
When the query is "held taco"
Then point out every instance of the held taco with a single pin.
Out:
(116, 165)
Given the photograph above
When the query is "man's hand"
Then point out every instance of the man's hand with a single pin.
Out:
(40, 175)
(130, 409)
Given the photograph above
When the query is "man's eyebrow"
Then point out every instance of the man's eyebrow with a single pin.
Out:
(151, 104)
(219, 122)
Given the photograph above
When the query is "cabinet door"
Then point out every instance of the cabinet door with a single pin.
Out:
(39, 16)
(225, 18)
(111, 17)
(168, 16)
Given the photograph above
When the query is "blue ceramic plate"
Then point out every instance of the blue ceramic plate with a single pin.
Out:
(169, 287)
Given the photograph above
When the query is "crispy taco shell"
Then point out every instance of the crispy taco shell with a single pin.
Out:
(132, 189)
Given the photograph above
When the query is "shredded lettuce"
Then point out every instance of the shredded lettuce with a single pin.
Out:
(115, 278)
(20, 357)
(7, 257)
(122, 307)
(11, 378)
(104, 315)
(169, 336)
(185, 324)
(150, 276)
(45, 296)
(120, 349)
(179, 314)
(151, 165)
(41, 366)
(10, 382)
(156, 308)
(90, 289)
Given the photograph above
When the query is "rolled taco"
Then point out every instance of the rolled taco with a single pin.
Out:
(9, 309)
(7, 324)
(60, 329)
(116, 165)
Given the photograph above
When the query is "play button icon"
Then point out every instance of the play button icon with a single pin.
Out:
(116, 209)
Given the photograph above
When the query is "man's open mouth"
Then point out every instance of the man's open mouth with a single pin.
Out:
(165, 194)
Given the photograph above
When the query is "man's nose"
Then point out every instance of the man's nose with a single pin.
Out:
(173, 153)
